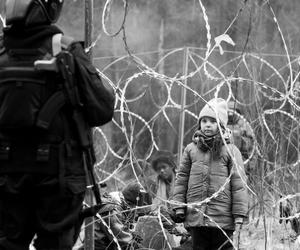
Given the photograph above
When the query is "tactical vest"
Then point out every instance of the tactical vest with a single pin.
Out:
(28, 97)
(24, 90)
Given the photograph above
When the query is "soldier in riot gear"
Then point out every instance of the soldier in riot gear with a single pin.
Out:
(45, 118)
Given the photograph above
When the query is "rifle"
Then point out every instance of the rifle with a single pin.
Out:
(64, 63)
(66, 66)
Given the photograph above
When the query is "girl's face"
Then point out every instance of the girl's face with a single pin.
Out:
(208, 126)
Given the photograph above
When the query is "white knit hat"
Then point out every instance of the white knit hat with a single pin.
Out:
(216, 105)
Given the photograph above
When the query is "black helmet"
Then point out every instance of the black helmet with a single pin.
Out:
(20, 10)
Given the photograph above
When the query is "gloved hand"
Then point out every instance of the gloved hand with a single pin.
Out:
(179, 215)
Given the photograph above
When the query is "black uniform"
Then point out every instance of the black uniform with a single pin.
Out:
(42, 178)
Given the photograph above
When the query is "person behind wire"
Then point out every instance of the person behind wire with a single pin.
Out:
(42, 175)
(119, 212)
(205, 166)
(242, 135)
(163, 164)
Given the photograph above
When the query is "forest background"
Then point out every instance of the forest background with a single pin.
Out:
(170, 52)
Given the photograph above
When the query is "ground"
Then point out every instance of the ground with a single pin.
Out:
(269, 236)
(272, 236)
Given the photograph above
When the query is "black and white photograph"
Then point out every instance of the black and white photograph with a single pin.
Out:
(149, 125)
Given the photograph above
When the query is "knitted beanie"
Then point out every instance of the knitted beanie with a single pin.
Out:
(216, 106)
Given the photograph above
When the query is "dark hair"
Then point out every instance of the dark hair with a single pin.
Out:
(165, 157)
(131, 192)
(217, 146)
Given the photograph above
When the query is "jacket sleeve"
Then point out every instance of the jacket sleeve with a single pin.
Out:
(239, 190)
(182, 178)
(97, 97)
(167, 218)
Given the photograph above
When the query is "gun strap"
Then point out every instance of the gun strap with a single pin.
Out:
(50, 109)
(60, 42)
(56, 44)
(58, 99)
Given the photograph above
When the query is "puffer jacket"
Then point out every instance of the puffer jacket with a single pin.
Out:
(200, 177)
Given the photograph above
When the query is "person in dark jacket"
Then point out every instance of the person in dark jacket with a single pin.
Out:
(116, 218)
(210, 189)
(42, 175)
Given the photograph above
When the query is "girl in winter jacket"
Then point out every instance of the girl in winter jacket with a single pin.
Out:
(210, 183)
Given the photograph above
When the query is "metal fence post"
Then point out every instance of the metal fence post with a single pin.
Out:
(183, 101)
(88, 33)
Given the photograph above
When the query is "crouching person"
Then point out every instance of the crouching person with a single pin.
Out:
(115, 220)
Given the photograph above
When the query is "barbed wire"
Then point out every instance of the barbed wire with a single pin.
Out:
(217, 79)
